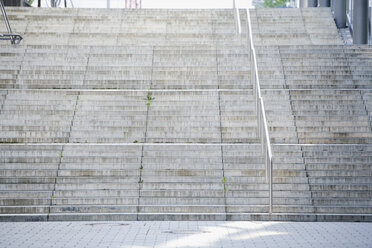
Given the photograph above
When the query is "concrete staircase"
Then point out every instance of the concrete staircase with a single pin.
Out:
(322, 98)
(319, 97)
(118, 27)
(149, 115)
(340, 178)
(294, 27)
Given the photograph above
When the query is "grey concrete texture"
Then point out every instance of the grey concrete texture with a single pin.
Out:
(61, 116)
(133, 67)
(304, 26)
(183, 182)
(123, 27)
(149, 115)
(319, 96)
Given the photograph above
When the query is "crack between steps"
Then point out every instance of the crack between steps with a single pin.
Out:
(55, 181)
(26, 29)
(63, 146)
(221, 139)
(3, 102)
(289, 94)
(61, 155)
(356, 88)
(295, 124)
(73, 117)
(306, 32)
(140, 181)
(20, 68)
(86, 66)
(73, 28)
(307, 179)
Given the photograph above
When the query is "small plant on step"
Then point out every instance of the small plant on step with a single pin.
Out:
(149, 98)
(135, 141)
(60, 154)
(223, 179)
(140, 181)
(141, 168)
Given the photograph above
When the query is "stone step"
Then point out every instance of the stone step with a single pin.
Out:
(360, 195)
(107, 193)
(332, 187)
(26, 187)
(93, 209)
(182, 209)
(26, 194)
(21, 202)
(184, 193)
(186, 217)
(24, 209)
(342, 167)
(96, 186)
(27, 173)
(333, 201)
(92, 200)
(343, 180)
(343, 209)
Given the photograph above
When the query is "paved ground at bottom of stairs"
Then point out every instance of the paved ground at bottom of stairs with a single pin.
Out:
(185, 234)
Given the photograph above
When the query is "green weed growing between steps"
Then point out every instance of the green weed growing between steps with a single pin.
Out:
(149, 98)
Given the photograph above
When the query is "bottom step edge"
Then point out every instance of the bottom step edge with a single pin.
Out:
(294, 217)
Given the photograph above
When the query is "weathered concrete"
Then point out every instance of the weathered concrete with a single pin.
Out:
(101, 120)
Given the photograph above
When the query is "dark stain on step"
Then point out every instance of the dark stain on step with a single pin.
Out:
(107, 224)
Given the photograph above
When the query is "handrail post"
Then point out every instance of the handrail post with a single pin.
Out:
(266, 151)
(253, 81)
(259, 126)
(262, 125)
(270, 164)
(262, 134)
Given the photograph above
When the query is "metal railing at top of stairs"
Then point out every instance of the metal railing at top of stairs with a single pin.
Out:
(238, 26)
(263, 130)
(14, 38)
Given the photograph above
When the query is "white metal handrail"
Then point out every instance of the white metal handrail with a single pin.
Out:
(238, 25)
(14, 38)
(263, 130)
